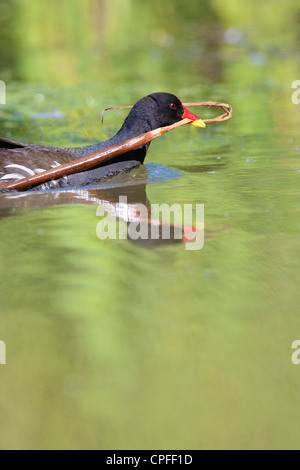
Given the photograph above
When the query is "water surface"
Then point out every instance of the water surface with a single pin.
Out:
(113, 345)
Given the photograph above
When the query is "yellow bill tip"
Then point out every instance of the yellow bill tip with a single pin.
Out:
(198, 123)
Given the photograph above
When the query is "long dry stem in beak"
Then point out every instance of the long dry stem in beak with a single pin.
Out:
(90, 161)
(209, 104)
(93, 160)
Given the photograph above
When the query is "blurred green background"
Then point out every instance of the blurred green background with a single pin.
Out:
(114, 346)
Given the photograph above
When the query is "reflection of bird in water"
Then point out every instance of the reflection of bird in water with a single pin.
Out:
(19, 161)
(126, 203)
(122, 203)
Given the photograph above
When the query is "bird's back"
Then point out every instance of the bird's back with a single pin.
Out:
(22, 160)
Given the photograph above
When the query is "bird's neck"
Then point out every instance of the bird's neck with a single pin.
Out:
(132, 127)
(123, 134)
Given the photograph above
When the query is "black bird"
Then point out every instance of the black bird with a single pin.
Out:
(18, 161)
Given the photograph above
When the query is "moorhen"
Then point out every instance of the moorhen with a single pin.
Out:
(18, 161)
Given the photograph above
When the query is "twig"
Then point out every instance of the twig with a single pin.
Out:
(95, 159)
(91, 161)
(210, 104)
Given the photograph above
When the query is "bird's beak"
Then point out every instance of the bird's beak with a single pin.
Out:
(197, 122)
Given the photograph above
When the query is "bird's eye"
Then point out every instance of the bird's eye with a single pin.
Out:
(173, 106)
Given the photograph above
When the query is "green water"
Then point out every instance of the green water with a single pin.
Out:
(114, 345)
